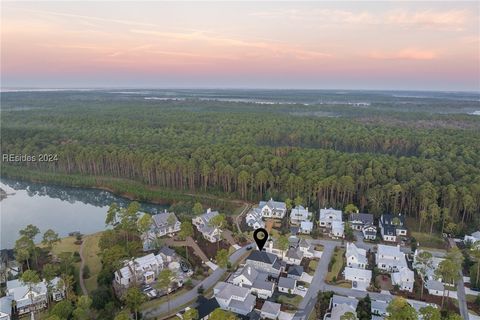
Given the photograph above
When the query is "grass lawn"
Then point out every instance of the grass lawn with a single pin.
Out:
(65, 245)
(290, 300)
(337, 266)
(313, 315)
(312, 265)
(429, 240)
(92, 260)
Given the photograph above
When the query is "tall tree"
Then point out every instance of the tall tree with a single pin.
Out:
(30, 279)
(164, 281)
(133, 300)
(50, 238)
(400, 309)
(423, 263)
(222, 258)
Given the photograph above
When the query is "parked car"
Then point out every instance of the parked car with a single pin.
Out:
(184, 266)
(249, 248)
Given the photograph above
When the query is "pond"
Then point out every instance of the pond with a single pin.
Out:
(63, 209)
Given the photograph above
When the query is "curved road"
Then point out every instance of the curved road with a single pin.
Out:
(192, 295)
(308, 302)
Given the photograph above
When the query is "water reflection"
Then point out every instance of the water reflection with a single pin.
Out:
(63, 209)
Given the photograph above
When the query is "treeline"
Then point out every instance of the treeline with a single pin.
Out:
(425, 173)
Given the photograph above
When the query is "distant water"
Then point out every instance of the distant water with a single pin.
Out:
(62, 209)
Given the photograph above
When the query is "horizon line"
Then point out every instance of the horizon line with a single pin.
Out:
(99, 88)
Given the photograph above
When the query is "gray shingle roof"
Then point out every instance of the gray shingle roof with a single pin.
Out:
(286, 283)
(271, 307)
(295, 270)
(364, 217)
(262, 256)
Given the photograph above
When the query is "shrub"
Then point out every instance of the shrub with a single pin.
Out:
(86, 272)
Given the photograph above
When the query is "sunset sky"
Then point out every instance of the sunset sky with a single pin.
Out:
(311, 45)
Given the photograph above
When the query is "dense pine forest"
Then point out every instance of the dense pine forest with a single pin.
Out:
(419, 156)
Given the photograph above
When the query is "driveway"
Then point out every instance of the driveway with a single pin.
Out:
(192, 295)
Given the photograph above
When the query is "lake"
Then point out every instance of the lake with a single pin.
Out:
(63, 209)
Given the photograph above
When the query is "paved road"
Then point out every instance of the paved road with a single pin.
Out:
(318, 282)
(192, 295)
(462, 302)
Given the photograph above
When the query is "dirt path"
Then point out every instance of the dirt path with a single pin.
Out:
(80, 274)
(227, 235)
(190, 243)
(239, 217)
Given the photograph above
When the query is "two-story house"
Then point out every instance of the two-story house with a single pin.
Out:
(356, 257)
(234, 298)
(202, 222)
(392, 226)
(300, 214)
(390, 258)
(142, 270)
(272, 209)
(163, 224)
(265, 262)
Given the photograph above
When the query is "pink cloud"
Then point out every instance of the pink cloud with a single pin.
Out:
(444, 19)
(405, 54)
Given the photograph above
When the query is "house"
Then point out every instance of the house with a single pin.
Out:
(339, 311)
(293, 256)
(360, 278)
(307, 248)
(379, 308)
(205, 307)
(404, 278)
(167, 254)
(202, 223)
(474, 237)
(257, 282)
(233, 298)
(417, 305)
(142, 270)
(337, 300)
(338, 229)
(392, 226)
(164, 223)
(26, 300)
(265, 262)
(244, 277)
(390, 258)
(340, 305)
(263, 288)
(369, 232)
(328, 216)
(306, 227)
(435, 287)
(299, 214)
(270, 310)
(254, 219)
(5, 308)
(287, 285)
(295, 272)
(272, 209)
(356, 257)
(430, 270)
(359, 220)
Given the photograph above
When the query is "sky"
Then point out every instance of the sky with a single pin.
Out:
(395, 45)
